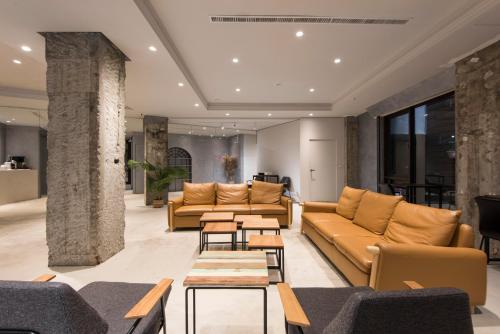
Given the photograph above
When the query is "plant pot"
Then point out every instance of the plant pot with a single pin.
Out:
(158, 203)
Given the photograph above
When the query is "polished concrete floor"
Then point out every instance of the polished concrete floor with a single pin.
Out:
(151, 253)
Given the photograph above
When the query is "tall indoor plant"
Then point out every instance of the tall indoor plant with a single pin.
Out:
(230, 165)
(158, 178)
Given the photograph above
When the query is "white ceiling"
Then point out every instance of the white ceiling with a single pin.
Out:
(377, 60)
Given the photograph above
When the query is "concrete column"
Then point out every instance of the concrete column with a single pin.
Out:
(155, 147)
(351, 154)
(477, 108)
(86, 142)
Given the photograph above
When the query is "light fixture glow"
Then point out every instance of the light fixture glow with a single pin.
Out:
(153, 48)
(269, 115)
(237, 130)
(228, 114)
(26, 48)
(238, 90)
(337, 60)
(311, 114)
(16, 61)
(7, 121)
(299, 33)
(204, 128)
(180, 84)
(236, 60)
(222, 127)
(311, 90)
(196, 105)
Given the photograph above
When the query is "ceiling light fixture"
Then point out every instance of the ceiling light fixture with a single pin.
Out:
(26, 48)
(236, 60)
(180, 84)
(196, 105)
(16, 61)
(238, 90)
(228, 114)
(7, 121)
(299, 33)
(337, 60)
(237, 130)
(204, 128)
(269, 115)
(311, 114)
(152, 48)
(311, 90)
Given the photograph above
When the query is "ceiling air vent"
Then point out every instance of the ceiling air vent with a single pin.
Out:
(301, 19)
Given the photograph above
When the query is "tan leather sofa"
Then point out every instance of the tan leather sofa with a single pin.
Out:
(380, 241)
(263, 199)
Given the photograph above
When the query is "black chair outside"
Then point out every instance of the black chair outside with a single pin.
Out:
(489, 221)
(287, 185)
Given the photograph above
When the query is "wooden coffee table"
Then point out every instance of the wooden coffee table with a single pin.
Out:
(219, 228)
(214, 217)
(241, 218)
(227, 270)
(273, 242)
(263, 224)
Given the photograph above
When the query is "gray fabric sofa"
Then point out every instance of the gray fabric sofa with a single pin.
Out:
(56, 308)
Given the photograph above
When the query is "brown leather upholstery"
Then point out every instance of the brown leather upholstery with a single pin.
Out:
(319, 207)
(267, 209)
(193, 210)
(232, 193)
(374, 211)
(240, 209)
(417, 224)
(266, 193)
(199, 193)
(349, 202)
(345, 244)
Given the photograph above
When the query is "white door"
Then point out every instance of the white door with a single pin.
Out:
(323, 169)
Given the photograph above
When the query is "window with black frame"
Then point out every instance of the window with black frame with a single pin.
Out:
(419, 152)
(179, 157)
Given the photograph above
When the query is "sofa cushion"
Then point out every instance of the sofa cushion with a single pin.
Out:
(354, 248)
(232, 193)
(267, 209)
(241, 209)
(193, 210)
(266, 193)
(349, 202)
(199, 193)
(418, 224)
(330, 225)
(375, 210)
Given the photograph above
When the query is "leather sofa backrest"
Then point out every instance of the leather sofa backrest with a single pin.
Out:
(266, 193)
(463, 236)
(232, 193)
(375, 210)
(199, 193)
(349, 202)
(418, 224)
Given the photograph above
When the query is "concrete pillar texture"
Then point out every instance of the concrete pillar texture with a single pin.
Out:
(155, 147)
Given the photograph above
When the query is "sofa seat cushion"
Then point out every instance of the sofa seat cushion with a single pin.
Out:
(354, 248)
(266, 193)
(232, 193)
(375, 210)
(349, 202)
(193, 210)
(330, 225)
(241, 209)
(112, 300)
(267, 209)
(418, 224)
(199, 193)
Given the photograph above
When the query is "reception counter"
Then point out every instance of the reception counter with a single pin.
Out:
(18, 185)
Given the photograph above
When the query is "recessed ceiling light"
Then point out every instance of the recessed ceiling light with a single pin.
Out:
(311, 90)
(190, 132)
(236, 60)
(311, 114)
(196, 105)
(237, 130)
(269, 115)
(7, 121)
(222, 127)
(238, 90)
(16, 61)
(26, 48)
(255, 128)
(153, 48)
(180, 84)
(299, 33)
(337, 60)
(223, 135)
(204, 128)
(228, 114)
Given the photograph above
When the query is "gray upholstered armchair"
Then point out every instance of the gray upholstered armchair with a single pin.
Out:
(356, 310)
(44, 307)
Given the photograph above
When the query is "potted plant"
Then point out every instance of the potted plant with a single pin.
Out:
(158, 178)
(230, 165)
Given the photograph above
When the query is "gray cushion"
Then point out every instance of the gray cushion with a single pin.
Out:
(47, 308)
(321, 305)
(113, 300)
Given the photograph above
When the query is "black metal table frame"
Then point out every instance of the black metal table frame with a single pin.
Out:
(194, 288)
(204, 241)
(244, 241)
(280, 258)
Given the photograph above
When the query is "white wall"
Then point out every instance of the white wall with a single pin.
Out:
(278, 152)
(249, 157)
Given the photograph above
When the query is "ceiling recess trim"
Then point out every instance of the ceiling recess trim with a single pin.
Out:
(23, 93)
(271, 106)
(303, 19)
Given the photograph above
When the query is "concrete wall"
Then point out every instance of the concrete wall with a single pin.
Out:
(477, 100)
(278, 152)
(138, 155)
(249, 156)
(2, 143)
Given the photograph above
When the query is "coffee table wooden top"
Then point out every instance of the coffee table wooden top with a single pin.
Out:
(241, 218)
(229, 268)
(217, 217)
(261, 224)
(220, 228)
(265, 242)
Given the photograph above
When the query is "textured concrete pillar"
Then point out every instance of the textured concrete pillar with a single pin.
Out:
(86, 141)
(155, 147)
(477, 97)
(351, 154)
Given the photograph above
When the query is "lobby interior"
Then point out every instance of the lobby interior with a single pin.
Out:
(368, 133)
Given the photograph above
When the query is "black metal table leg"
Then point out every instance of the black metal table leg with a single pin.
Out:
(186, 310)
(164, 325)
(265, 310)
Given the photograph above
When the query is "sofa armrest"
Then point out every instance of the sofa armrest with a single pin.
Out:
(44, 278)
(319, 207)
(173, 205)
(294, 314)
(431, 266)
(148, 302)
(288, 204)
(176, 202)
(285, 201)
